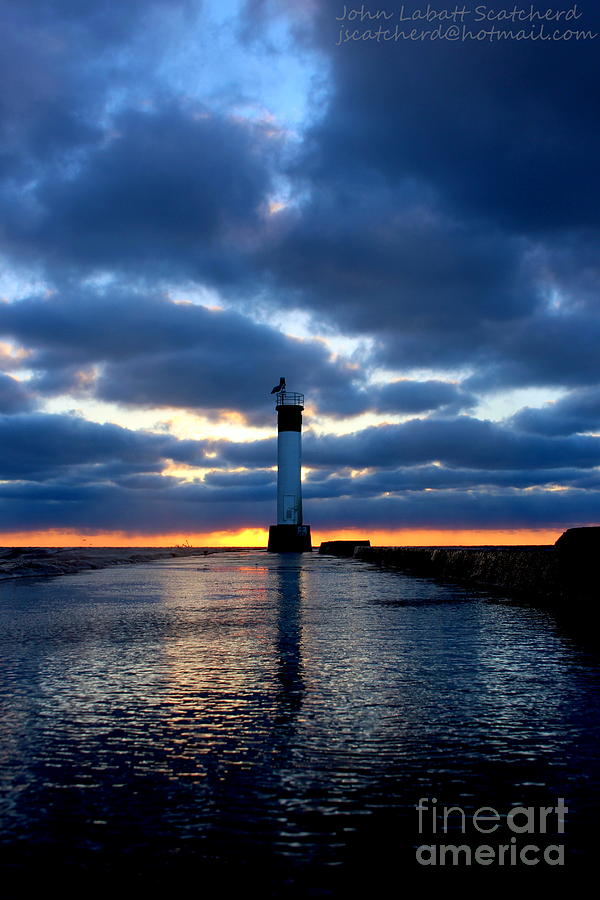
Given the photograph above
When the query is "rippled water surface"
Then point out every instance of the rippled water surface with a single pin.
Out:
(278, 717)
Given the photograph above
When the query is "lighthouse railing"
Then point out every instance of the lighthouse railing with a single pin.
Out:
(289, 398)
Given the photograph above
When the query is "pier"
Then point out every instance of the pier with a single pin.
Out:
(556, 574)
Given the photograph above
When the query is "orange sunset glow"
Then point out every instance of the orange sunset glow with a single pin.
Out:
(257, 537)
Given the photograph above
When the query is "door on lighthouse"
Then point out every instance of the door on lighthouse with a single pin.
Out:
(289, 507)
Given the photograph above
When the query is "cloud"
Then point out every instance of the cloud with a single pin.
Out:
(40, 446)
(439, 200)
(69, 473)
(171, 187)
(421, 396)
(439, 478)
(461, 510)
(578, 412)
(432, 246)
(518, 150)
(445, 205)
(462, 442)
(550, 348)
(432, 290)
(63, 63)
(14, 396)
(153, 352)
(91, 508)
(197, 508)
(255, 478)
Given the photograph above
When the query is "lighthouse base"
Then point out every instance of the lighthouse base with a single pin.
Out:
(289, 539)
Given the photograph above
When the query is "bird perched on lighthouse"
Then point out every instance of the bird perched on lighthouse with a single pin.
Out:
(279, 387)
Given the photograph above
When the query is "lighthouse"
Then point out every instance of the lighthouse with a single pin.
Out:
(290, 534)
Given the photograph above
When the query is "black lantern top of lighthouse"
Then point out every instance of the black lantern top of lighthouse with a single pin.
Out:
(286, 398)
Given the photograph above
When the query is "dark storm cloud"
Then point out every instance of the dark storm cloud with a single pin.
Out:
(435, 292)
(157, 353)
(103, 165)
(557, 348)
(462, 510)
(69, 473)
(256, 478)
(578, 412)
(439, 294)
(505, 131)
(573, 269)
(396, 397)
(250, 454)
(61, 380)
(166, 188)
(61, 62)
(194, 507)
(35, 121)
(421, 396)
(154, 352)
(438, 478)
(452, 188)
(116, 470)
(462, 442)
(39, 446)
(443, 248)
(14, 396)
(389, 266)
(90, 508)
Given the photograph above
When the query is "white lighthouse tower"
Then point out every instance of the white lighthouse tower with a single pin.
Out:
(290, 534)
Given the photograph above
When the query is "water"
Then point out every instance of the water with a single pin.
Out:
(273, 720)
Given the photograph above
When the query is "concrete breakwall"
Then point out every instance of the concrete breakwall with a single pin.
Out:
(556, 573)
(518, 570)
(342, 548)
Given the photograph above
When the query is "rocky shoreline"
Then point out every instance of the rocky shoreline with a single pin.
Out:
(28, 562)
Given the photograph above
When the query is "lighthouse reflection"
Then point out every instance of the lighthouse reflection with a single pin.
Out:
(289, 638)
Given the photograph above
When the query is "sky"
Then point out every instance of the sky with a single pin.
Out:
(201, 196)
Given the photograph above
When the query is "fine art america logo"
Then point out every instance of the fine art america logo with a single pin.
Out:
(456, 838)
